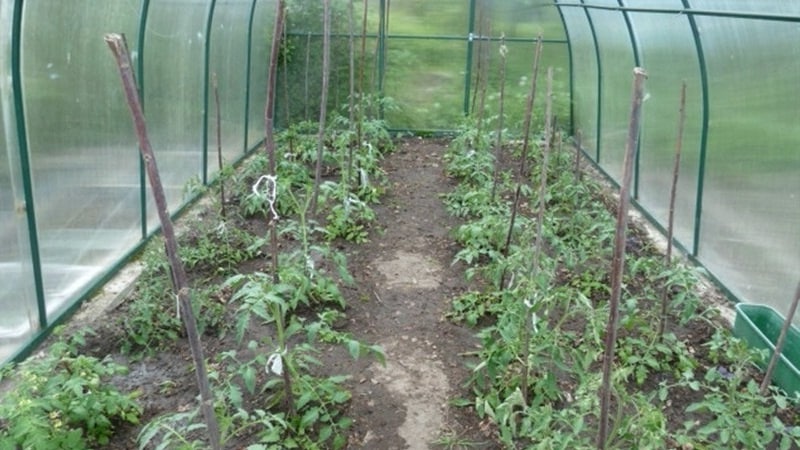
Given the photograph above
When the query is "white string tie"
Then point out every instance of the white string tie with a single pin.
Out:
(270, 191)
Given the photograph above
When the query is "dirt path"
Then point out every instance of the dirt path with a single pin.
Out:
(405, 282)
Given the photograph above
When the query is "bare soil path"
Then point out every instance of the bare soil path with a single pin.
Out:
(405, 281)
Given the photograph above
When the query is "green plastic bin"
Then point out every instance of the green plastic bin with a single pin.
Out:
(760, 326)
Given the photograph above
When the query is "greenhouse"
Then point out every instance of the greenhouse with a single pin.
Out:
(399, 224)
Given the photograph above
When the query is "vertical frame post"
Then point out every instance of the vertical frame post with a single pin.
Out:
(25, 163)
(470, 49)
(598, 131)
(206, 86)
(701, 59)
(143, 16)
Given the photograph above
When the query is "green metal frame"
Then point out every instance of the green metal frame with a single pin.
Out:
(248, 68)
(598, 128)
(25, 162)
(637, 60)
(571, 74)
(701, 175)
(381, 50)
(206, 86)
(688, 10)
(470, 47)
(144, 14)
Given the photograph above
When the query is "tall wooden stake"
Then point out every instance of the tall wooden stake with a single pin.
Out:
(578, 151)
(662, 324)
(499, 145)
(361, 68)
(323, 102)
(538, 244)
(618, 261)
(352, 98)
(526, 127)
(119, 47)
(215, 83)
(269, 121)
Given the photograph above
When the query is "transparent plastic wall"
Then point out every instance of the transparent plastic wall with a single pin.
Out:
(738, 206)
(74, 201)
(750, 230)
(437, 53)
(669, 62)
(585, 85)
(424, 59)
(17, 293)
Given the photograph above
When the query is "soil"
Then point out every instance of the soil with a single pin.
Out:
(405, 280)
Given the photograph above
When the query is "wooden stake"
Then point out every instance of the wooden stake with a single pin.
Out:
(578, 151)
(662, 325)
(215, 83)
(499, 144)
(526, 127)
(119, 47)
(269, 122)
(618, 261)
(773, 361)
(527, 329)
(323, 102)
(514, 206)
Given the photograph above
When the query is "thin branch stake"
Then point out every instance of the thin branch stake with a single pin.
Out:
(662, 325)
(526, 127)
(578, 151)
(323, 102)
(507, 246)
(499, 144)
(773, 361)
(352, 98)
(269, 121)
(119, 47)
(215, 83)
(527, 329)
(618, 261)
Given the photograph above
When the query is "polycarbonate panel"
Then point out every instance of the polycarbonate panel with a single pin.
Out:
(426, 80)
(174, 57)
(227, 63)
(518, 72)
(617, 63)
(523, 18)
(669, 55)
(17, 296)
(584, 78)
(301, 64)
(427, 18)
(263, 23)
(83, 153)
(751, 200)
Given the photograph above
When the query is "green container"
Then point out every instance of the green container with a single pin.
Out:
(760, 326)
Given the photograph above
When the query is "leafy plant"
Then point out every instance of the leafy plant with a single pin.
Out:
(298, 410)
(151, 321)
(350, 217)
(64, 400)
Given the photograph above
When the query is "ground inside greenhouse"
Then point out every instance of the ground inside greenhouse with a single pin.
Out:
(405, 280)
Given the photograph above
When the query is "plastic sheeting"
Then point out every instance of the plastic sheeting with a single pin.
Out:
(738, 206)
(73, 198)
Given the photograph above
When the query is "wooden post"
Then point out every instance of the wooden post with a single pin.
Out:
(618, 261)
(119, 47)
